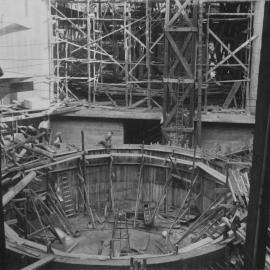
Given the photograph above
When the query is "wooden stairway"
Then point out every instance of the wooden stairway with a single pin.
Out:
(68, 205)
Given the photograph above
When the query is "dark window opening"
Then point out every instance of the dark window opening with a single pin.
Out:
(142, 131)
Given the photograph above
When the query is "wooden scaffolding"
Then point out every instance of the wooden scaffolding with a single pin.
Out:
(179, 56)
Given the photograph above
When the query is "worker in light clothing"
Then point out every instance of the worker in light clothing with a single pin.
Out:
(58, 140)
(44, 126)
(107, 142)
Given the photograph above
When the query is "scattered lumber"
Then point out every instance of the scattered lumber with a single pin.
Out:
(17, 188)
(39, 151)
(28, 140)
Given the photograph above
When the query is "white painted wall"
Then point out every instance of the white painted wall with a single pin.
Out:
(25, 53)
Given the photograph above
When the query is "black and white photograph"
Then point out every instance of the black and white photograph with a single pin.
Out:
(134, 134)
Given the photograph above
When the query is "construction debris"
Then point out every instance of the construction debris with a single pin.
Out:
(43, 214)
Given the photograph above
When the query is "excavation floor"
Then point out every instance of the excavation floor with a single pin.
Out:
(142, 240)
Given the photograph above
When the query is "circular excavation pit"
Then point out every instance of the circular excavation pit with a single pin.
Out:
(100, 209)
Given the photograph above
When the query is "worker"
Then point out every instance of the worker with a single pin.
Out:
(44, 126)
(58, 140)
(107, 142)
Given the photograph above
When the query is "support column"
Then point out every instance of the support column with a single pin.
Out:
(259, 200)
(2, 231)
(256, 52)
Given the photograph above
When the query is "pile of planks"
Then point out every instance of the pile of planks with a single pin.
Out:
(21, 149)
(239, 186)
(223, 222)
(35, 216)
(31, 208)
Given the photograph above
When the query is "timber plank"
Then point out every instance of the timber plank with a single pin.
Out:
(40, 263)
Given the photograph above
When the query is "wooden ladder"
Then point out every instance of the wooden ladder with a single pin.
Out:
(68, 205)
(179, 113)
(120, 234)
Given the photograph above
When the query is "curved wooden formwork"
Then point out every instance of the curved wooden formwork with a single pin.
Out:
(123, 164)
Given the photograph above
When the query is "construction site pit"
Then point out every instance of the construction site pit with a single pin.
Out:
(132, 201)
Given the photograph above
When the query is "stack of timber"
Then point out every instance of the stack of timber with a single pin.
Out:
(19, 111)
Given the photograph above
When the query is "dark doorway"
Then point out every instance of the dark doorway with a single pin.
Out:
(142, 131)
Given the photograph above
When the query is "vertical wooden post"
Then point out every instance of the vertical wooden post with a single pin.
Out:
(147, 39)
(126, 52)
(111, 185)
(25, 225)
(83, 154)
(50, 46)
(139, 188)
(101, 41)
(200, 78)
(58, 58)
(207, 51)
(166, 64)
(129, 54)
(66, 69)
(88, 51)
(166, 193)
(246, 95)
(83, 165)
(227, 185)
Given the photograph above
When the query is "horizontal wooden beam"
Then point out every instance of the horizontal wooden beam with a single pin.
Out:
(174, 129)
(178, 80)
(18, 188)
(22, 117)
(182, 29)
(181, 178)
(40, 263)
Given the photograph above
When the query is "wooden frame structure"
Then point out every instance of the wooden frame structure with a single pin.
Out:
(180, 68)
(155, 54)
(108, 49)
(233, 51)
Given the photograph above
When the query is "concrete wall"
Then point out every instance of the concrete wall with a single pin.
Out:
(256, 54)
(24, 52)
(226, 137)
(94, 130)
